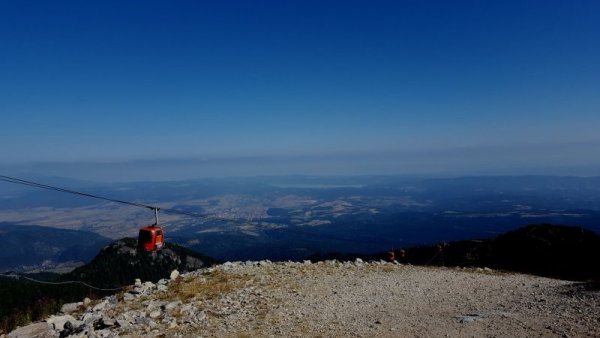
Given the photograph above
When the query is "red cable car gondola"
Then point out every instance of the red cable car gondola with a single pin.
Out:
(151, 238)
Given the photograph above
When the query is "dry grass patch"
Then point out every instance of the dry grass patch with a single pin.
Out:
(212, 285)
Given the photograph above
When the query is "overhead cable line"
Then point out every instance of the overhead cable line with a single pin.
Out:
(48, 187)
(140, 205)
(12, 274)
(203, 218)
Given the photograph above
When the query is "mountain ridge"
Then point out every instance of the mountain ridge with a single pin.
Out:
(34, 246)
(120, 264)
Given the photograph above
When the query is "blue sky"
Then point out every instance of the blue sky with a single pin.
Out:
(408, 86)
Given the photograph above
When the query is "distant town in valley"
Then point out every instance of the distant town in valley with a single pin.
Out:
(292, 217)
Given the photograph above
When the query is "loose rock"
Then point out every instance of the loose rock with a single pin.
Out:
(36, 330)
(70, 307)
(58, 322)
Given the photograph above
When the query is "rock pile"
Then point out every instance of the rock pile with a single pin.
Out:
(99, 319)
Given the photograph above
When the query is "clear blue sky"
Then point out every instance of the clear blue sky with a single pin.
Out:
(435, 85)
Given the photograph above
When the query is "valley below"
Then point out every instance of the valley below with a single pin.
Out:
(292, 218)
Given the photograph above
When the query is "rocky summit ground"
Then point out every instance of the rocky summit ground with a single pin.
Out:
(331, 299)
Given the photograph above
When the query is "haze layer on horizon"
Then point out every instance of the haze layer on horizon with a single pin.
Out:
(575, 160)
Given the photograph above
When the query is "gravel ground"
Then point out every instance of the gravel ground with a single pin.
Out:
(333, 299)
(366, 300)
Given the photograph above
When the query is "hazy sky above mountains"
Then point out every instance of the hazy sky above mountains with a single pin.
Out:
(287, 87)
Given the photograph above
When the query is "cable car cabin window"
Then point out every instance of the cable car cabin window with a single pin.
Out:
(145, 236)
(158, 233)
